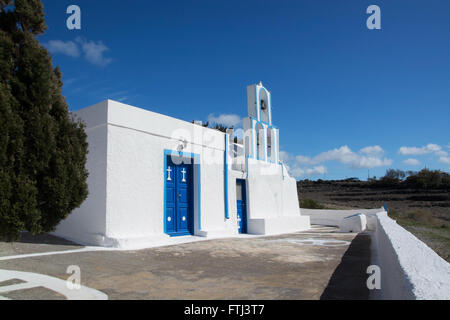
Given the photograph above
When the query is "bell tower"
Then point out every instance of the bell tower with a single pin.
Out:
(261, 137)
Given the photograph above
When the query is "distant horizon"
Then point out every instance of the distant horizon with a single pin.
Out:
(369, 178)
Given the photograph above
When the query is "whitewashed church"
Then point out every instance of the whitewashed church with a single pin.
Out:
(152, 177)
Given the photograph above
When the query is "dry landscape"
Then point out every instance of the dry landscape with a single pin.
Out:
(423, 212)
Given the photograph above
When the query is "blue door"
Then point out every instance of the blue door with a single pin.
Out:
(241, 206)
(179, 196)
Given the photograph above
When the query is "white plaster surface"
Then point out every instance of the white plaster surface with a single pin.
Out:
(334, 217)
(409, 268)
(87, 224)
(315, 242)
(354, 223)
(279, 225)
(32, 280)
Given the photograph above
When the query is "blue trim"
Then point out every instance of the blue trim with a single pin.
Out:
(164, 178)
(254, 136)
(266, 123)
(282, 169)
(227, 216)
(179, 234)
(246, 163)
(258, 107)
(196, 158)
(244, 213)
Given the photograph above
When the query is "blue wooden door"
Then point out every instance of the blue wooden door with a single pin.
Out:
(241, 206)
(179, 197)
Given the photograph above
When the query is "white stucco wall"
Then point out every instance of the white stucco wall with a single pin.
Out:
(136, 142)
(334, 217)
(355, 223)
(87, 224)
(409, 268)
(272, 195)
(126, 183)
(273, 201)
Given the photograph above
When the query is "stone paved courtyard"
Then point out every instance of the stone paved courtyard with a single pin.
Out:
(317, 264)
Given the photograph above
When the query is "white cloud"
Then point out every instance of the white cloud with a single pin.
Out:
(68, 48)
(228, 120)
(298, 172)
(301, 166)
(412, 162)
(303, 160)
(316, 170)
(372, 151)
(429, 148)
(371, 162)
(445, 160)
(345, 155)
(94, 51)
(441, 153)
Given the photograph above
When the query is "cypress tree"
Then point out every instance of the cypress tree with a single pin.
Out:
(43, 148)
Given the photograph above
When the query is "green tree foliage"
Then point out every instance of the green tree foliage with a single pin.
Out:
(394, 174)
(429, 179)
(42, 147)
(424, 179)
(310, 204)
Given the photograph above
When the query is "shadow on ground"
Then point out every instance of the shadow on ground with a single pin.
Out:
(26, 237)
(348, 281)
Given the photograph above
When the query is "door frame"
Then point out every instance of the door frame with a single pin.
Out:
(245, 198)
(196, 189)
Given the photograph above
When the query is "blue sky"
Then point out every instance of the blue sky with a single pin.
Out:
(349, 101)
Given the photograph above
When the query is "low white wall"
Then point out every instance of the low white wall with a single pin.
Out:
(409, 268)
(355, 223)
(334, 217)
(278, 225)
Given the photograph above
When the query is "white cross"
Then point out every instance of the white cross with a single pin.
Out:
(183, 172)
(169, 170)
